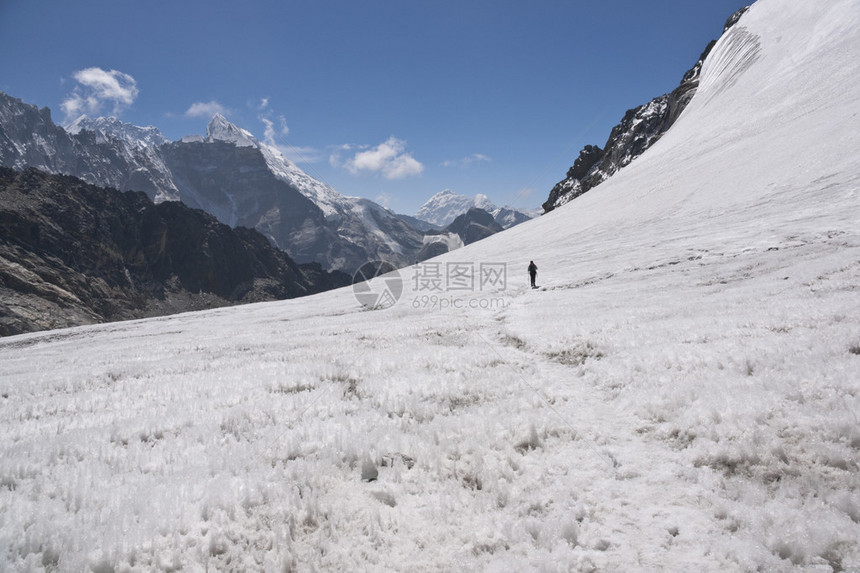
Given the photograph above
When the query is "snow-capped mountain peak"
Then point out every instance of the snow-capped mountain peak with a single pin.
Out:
(220, 129)
(107, 128)
(445, 206)
(483, 202)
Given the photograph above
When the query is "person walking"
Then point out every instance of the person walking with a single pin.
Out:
(533, 272)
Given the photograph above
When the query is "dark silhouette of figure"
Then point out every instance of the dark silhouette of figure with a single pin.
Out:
(533, 272)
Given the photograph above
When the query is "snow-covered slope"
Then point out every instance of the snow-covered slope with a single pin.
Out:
(325, 197)
(681, 392)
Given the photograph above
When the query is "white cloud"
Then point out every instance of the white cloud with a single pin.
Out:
(388, 158)
(275, 132)
(205, 109)
(468, 160)
(272, 132)
(97, 88)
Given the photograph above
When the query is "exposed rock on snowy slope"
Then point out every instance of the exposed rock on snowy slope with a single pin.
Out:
(228, 173)
(72, 253)
(639, 129)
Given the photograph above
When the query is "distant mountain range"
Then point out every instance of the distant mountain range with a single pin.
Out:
(233, 176)
(445, 206)
(72, 253)
(452, 221)
(228, 173)
(473, 225)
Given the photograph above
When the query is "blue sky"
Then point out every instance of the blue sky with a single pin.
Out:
(393, 100)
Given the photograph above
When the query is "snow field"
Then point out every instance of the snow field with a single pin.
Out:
(676, 407)
(308, 425)
(760, 403)
(680, 394)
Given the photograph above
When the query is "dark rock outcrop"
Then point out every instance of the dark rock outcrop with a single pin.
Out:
(474, 225)
(432, 249)
(72, 253)
(418, 224)
(638, 130)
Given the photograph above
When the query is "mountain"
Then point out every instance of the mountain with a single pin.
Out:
(72, 253)
(443, 207)
(507, 217)
(243, 181)
(108, 128)
(680, 394)
(639, 129)
(419, 224)
(29, 138)
(228, 173)
(473, 225)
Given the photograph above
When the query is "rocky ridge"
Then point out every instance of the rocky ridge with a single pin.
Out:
(639, 129)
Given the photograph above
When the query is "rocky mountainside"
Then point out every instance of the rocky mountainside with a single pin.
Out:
(419, 224)
(638, 130)
(29, 138)
(108, 128)
(474, 225)
(227, 173)
(72, 253)
(443, 207)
